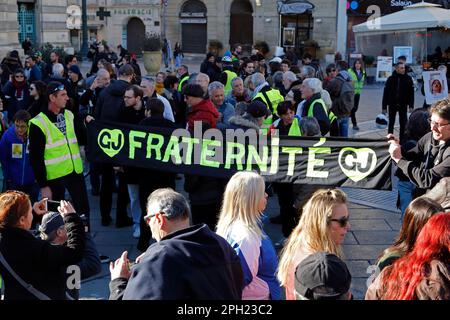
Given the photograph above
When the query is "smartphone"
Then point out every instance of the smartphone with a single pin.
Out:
(52, 205)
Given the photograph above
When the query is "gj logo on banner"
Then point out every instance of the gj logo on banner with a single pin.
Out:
(357, 164)
(111, 141)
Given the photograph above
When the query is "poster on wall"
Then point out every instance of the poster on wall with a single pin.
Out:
(384, 68)
(288, 37)
(435, 85)
(403, 51)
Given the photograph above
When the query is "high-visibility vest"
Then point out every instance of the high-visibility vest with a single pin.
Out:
(182, 81)
(358, 84)
(294, 130)
(230, 76)
(331, 116)
(62, 153)
(275, 98)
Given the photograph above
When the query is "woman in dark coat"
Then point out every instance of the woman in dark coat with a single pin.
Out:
(39, 263)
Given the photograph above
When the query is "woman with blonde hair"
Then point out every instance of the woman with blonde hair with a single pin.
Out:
(322, 228)
(240, 224)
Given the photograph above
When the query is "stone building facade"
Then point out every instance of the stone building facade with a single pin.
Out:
(194, 22)
(46, 21)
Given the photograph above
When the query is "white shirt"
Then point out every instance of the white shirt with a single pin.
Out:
(168, 113)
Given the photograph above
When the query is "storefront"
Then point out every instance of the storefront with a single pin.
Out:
(296, 22)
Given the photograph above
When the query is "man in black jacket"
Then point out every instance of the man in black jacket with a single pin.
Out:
(186, 262)
(108, 108)
(429, 161)
(398, 95)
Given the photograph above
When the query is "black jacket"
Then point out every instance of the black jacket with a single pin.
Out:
(427, 162)
(38, 262)
(193, 264)
(398, 90)
(110, 102)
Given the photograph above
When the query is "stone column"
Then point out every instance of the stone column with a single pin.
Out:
(9, 35)
(53, 22)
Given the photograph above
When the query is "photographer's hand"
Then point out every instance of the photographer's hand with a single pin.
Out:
(65, 208)
(40, 207)
(119, 268)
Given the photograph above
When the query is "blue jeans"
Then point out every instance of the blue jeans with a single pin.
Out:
(405, 194)
(135, 206)
(178, 60)
(343, 127)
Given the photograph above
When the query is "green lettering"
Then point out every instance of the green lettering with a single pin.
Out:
(313, 162)
(209, 153)
(230, 155)
(135, 144)
(190, 146)
(157, 147)
(253, 155)
(292, 151)
(275, 142)
(173, 149)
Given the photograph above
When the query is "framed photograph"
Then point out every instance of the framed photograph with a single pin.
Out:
(435, 85)
(384, 68)
(403, 51)
(288, 37)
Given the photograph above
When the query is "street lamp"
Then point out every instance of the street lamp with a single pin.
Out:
(84, 46)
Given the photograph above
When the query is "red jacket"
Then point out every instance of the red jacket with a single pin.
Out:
(204, 111)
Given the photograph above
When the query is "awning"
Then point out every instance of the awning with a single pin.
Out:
(294, 6)
(422, 15)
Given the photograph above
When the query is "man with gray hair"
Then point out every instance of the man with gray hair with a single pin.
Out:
(148, 86)
(216, 92)
(269, 96)
(202, 79)
(186, 262)
(238, 92)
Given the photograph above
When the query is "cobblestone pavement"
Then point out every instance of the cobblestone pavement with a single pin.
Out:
(375, 221)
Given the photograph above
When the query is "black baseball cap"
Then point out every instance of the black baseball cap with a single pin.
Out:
(322, 269)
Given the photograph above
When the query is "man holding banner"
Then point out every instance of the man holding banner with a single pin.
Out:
(429, 161)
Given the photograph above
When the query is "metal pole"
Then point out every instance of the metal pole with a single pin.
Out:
(164, 19)
(84, 47)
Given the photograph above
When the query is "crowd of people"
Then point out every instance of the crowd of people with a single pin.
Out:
(210, 245)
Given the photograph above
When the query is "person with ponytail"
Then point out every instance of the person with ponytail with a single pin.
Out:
(424, 273)
(323, 224)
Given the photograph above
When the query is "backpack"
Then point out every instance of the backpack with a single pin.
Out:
(342, 105)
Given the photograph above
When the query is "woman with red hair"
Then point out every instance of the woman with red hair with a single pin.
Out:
(38, 263)
(424, 273)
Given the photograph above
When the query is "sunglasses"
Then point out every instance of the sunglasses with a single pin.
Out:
(31, 89)
(342, 221)
(19, 76)
(58, 88)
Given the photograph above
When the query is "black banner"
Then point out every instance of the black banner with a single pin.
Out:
(357, 163)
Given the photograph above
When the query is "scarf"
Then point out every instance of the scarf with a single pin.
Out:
(19, 86)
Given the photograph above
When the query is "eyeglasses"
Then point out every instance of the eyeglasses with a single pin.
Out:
(148, 217)
(440, 126)
(58, 88)
(127, 97)
(342, 221)
(31, 89)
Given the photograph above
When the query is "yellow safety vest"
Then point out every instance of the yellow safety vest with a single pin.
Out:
(331, 116)
(295, 130)
(230, 76)
(275, 98)
(182, 81)
(62, 154)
